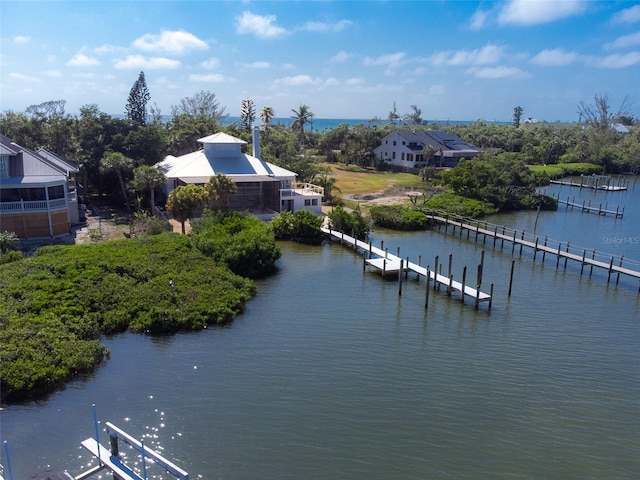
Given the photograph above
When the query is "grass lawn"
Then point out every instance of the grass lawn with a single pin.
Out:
(354, 181)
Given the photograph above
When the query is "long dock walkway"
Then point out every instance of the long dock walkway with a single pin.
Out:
(595, 182)
(562, 250)
(390, 264)
(587, 207)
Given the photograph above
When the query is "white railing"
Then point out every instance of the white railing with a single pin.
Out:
(302, 188)
(22, 206)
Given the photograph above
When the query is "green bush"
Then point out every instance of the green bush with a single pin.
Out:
(351, 223)
(302, 226)
(240, 241)
(397, 217)
(456, 204)
(55, 305)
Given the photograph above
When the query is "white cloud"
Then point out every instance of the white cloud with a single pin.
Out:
(258, 65)
(175, 42)
(209, 78)
(106, 48)
(436, 90)
(297, 81)
(82, 60)
(632, 40)
(534, 12)
(262, 26)
(354, 81)
(138, 61)
(331, 82)
(497, 72)
(211, 63)
(52, 73)
(341, 56)
(326, 27)
(487, 55)
(21, 39)
(628, 15)
(554, 58)
(389, 60)
(478, 19)
(617, 60)
(23, 78)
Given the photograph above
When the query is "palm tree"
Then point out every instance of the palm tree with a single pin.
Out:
(218, 190)
(183, 201)
(267, 115)
(149, 177)
(328, 183)
(119, 163)
(301, 117)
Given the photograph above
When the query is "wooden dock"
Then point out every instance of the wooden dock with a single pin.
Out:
(587, 207)
(562, 250)
(595, 182)
(389, 264)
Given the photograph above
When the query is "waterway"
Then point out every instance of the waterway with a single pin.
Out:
(331, 374)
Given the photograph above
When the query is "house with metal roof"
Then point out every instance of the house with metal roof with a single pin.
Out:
(38, 196)
(410, 150)
(263, 189)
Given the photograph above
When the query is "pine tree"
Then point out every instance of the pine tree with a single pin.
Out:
(247, 114)
(137, 103)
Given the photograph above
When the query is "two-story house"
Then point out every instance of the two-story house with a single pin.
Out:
(410, 150)
(38, 195)
(263, 189)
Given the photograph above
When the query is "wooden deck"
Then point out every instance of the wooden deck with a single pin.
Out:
(389, 264)
(605, 187)
(562, 250)
(587, 207)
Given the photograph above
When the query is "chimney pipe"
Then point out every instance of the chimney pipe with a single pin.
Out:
(256, 141)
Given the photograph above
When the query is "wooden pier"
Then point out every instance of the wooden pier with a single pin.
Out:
(596, 182)
(389, 264)
(587, 207)
(562, 250)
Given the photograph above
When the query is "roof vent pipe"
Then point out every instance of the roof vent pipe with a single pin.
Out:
(256, 141)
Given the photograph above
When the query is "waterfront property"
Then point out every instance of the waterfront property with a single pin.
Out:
(262, 188)
(410, 150)
(38, 196)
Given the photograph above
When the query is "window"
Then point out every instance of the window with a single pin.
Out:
(393, 155)
(394, 143)
(56, 192)
(314, 201)
(402, 156)
(307, 202)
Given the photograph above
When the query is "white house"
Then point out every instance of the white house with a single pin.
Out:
(405, 149)
(38, 196)
(262, 188)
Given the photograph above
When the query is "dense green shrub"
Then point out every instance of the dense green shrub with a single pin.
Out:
(397, 217)
(55, 305)
(351, 223)
(456, 204)
(241, 241)
(302, 226)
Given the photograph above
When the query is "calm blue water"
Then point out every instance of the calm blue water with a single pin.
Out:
(330, 374)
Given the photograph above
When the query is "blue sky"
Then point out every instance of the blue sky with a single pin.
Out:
(456, 60)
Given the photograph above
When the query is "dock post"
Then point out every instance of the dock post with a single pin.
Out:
(502, 244)
(535, 250)
(419, 265)
(397, 251)
(95, 422)
(618, 275)
(477, 304)
(477, 229)
(513, 263)
(384, 265)
(593, 256)
(450, 285)
(406, 275)
(495, 236)
(449, 267)
(381, 244)
(513, 245)
(440, 273)
(610, 269)
(426, 293)
(386, 253)
(435, 273)
(567, 257)
(521, 242)
(464, 278)
(558, 255)
(370, 249)
(490, 296)
(584, 252)
(544, 252)
(400, 277)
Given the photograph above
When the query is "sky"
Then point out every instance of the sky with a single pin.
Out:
(453, 60)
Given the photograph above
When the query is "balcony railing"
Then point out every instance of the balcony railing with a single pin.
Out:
(302, 188)
(34, 205)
